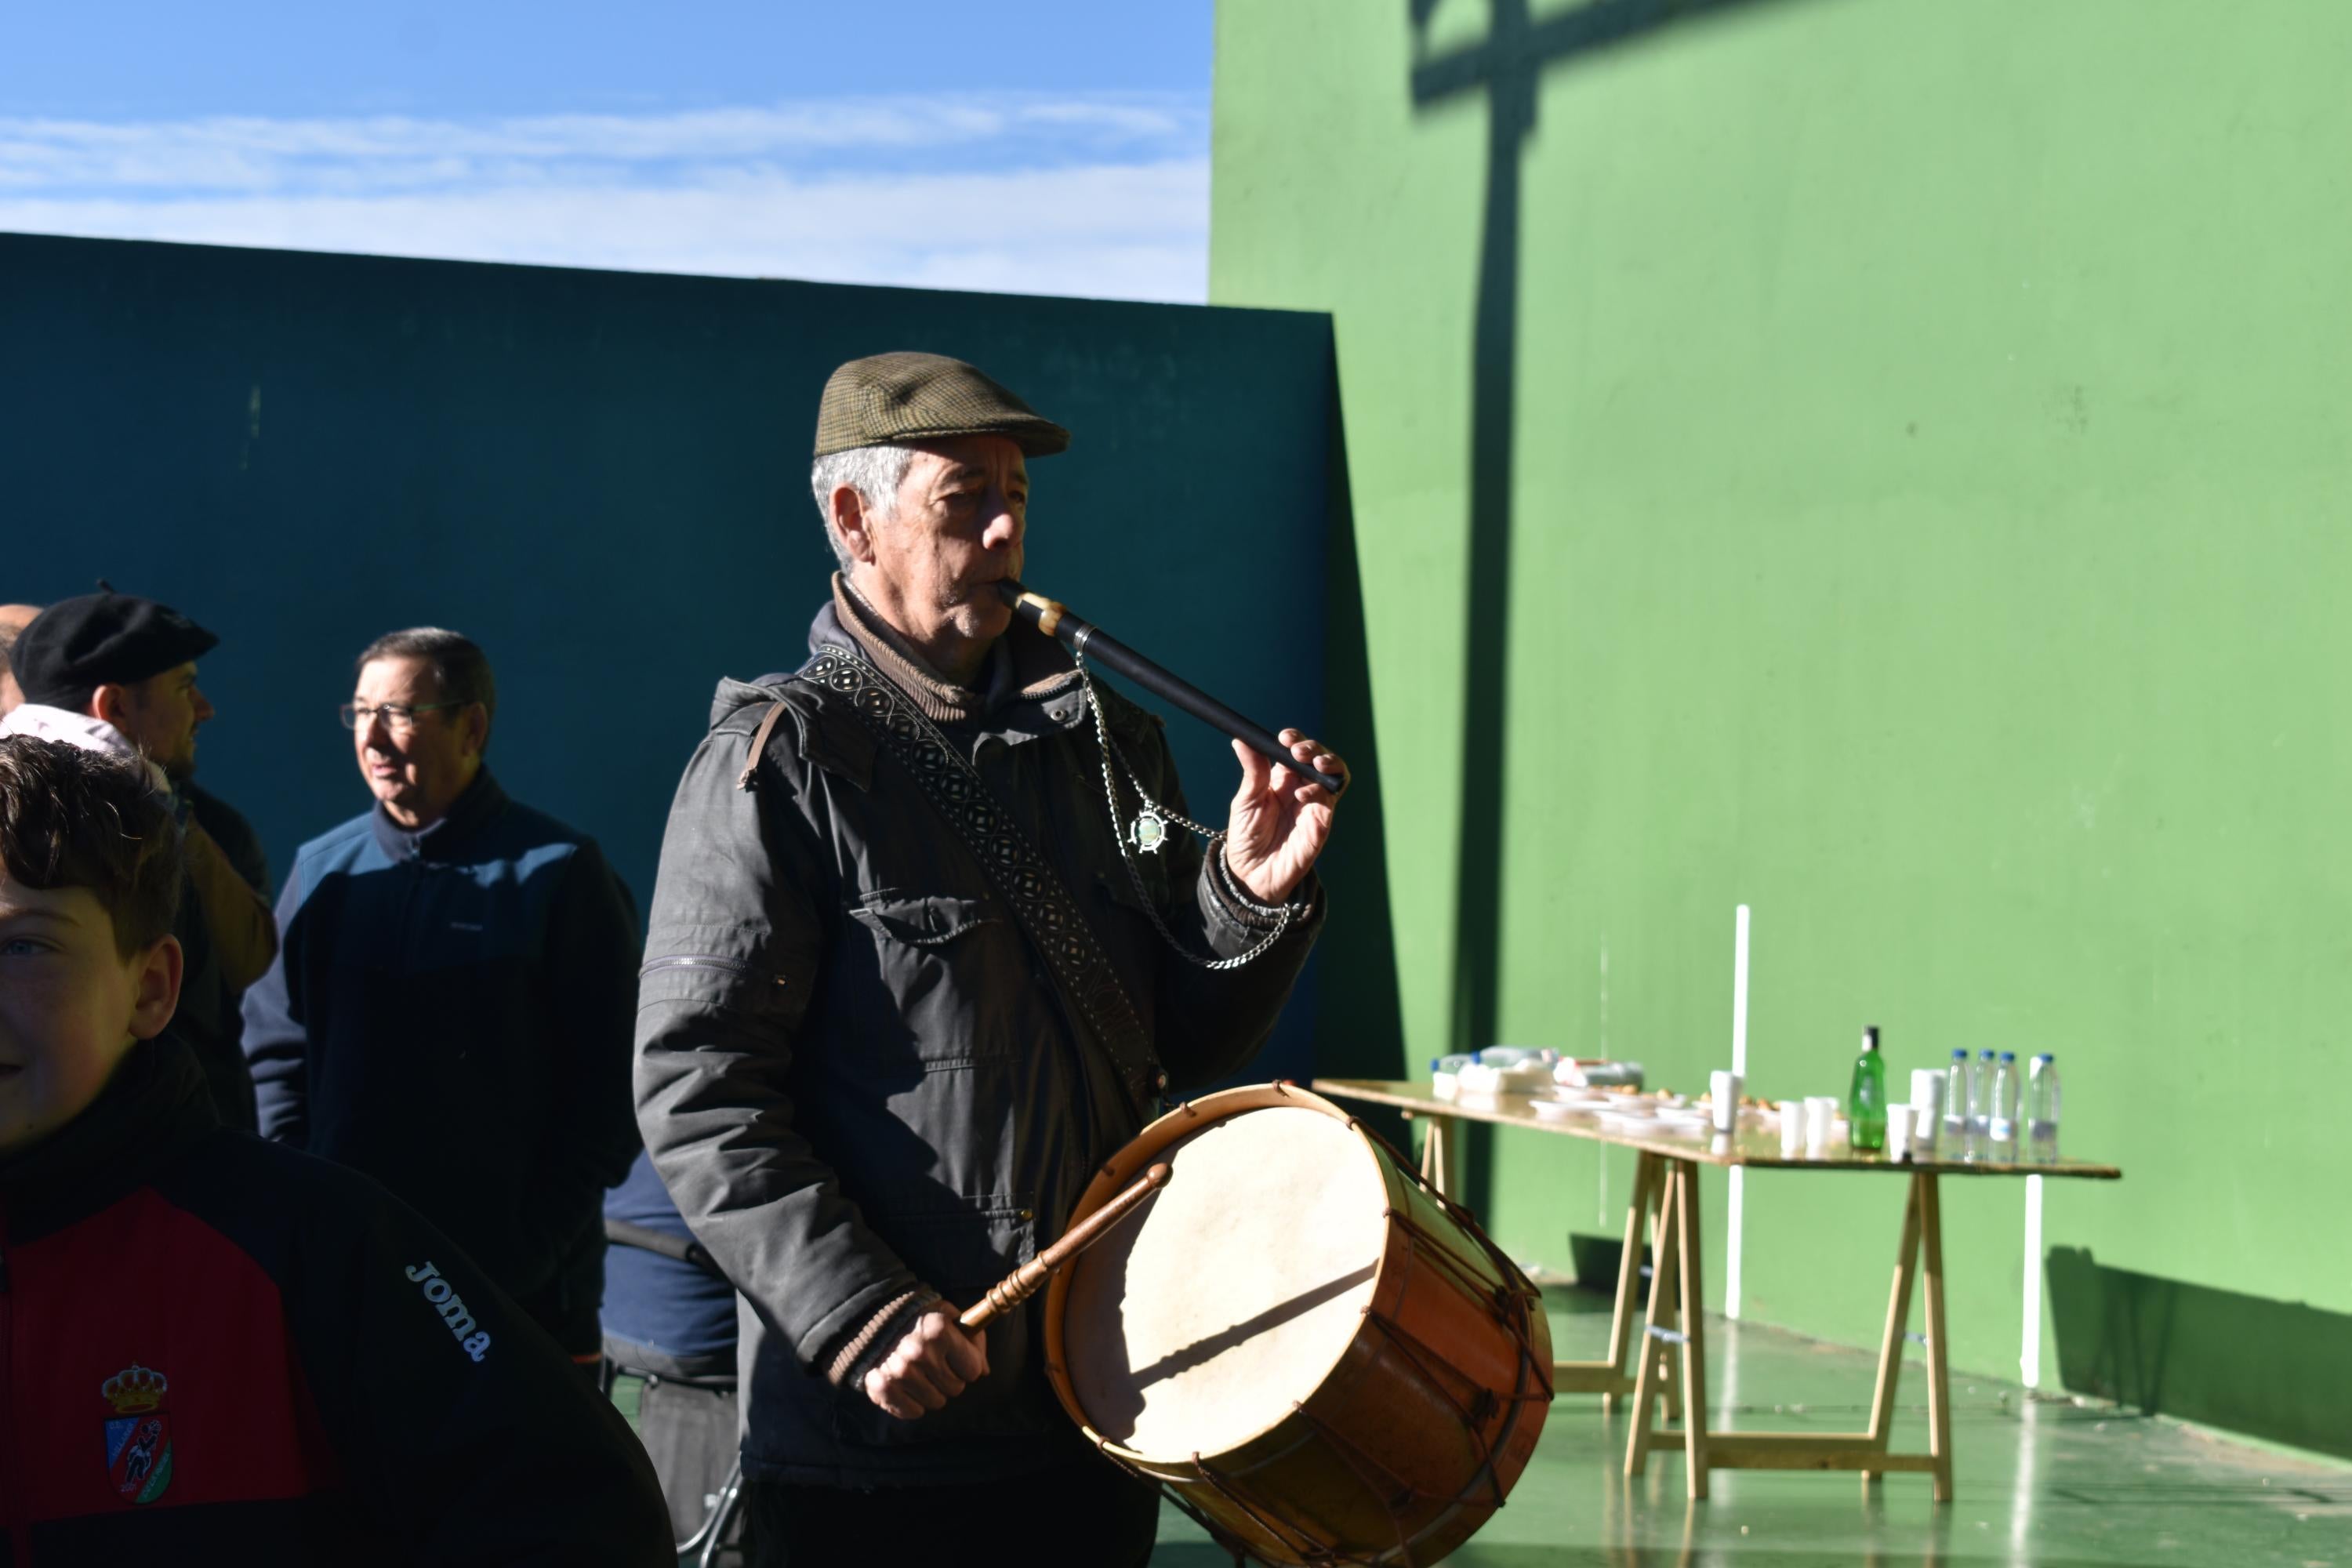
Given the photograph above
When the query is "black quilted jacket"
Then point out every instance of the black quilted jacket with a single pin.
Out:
(854, 1072)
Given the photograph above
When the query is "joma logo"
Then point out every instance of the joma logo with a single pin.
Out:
(452, 1307)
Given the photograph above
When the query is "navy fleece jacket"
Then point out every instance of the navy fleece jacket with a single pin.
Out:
(451, 1013)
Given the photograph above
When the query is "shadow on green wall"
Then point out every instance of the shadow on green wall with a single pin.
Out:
(1507, 68)
(2275, 1370)
(1359, 1028)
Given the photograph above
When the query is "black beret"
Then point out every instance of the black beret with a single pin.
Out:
(101, 639)
(894, 399)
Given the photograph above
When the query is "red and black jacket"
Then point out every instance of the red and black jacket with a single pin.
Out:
(214, 1348)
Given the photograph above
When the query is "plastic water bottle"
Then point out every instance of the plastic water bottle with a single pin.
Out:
(1866, 1101)
(2042, 1110)
(2002, 1120)
(1980, 1106)
(1956, 1108)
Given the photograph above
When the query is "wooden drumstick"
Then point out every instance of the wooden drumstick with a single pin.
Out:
(1024, 1282)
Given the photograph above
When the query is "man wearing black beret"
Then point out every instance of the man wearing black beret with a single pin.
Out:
(114, 673)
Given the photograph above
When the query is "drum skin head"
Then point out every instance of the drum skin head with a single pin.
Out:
(1200, 1323)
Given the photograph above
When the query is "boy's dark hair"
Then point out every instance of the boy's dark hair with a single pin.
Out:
(72, 818)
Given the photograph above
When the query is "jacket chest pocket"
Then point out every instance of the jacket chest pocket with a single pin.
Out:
(931, 987)
(457, 923)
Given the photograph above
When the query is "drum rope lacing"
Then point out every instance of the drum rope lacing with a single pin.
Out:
(1155, 810)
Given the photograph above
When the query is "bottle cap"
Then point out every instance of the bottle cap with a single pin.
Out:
(1960, 1056)
(1984, 1056)
(2009, 1055)
(1870, 1037)
(2046, 1057)
(1433, 1064)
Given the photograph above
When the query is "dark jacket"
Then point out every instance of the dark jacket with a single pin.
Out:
(449, 1013)
(853, 1071)
(210, 1018)
(213, 1349)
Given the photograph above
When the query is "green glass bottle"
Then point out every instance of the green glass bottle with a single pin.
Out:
(1865, 1102)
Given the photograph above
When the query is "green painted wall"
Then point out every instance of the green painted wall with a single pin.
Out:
(1884, 461)
(603, 478)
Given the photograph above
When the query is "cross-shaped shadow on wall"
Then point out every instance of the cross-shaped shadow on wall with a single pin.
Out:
(1506, 67)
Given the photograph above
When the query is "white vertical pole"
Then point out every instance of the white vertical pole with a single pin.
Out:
(2029, 1359)
(1731, 1271)
(1739, 990)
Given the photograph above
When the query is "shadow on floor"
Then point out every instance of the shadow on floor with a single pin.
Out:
(1199, 1554)
(2275, 1370)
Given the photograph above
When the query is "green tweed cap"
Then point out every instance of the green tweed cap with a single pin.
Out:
(893, 399)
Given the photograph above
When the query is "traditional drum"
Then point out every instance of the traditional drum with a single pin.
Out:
(1316, 1355)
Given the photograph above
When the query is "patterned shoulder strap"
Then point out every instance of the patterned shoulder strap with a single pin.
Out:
(1048, 916)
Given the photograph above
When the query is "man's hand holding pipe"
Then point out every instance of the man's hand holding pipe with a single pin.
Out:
(1281, 818)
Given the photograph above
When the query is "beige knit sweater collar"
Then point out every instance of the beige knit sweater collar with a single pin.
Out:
(1025, 665)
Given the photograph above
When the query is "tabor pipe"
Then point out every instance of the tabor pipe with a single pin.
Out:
(1092, 642)
(1030, 1277)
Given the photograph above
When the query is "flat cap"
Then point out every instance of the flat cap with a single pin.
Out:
(101, 639)
(895, 399)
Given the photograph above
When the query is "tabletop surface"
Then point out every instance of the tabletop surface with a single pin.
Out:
(1751, 1145)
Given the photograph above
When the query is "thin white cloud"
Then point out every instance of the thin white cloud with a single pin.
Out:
(1104, 196)
(1116, 231)
(249, 153)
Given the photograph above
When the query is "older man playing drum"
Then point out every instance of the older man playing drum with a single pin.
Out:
(902, 998)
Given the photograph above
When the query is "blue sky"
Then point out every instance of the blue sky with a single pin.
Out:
(1039, 146)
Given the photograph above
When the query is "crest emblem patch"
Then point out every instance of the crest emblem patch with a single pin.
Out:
(138, 1433)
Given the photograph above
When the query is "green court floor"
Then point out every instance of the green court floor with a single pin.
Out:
(2044, 1483)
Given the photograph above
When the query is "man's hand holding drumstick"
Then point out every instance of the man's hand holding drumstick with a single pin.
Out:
(945, 1353)
(931, 1363)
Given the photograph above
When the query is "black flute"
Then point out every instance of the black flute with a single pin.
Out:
(1090, 641)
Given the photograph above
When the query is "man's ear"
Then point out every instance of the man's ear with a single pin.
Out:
(477, 720)
(157, 996)
(849, 517)
(109, 703)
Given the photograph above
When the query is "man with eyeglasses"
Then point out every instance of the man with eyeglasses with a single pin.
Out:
(115, 673)
(452, 1006)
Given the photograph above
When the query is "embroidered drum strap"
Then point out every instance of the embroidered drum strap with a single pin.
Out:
(1048, 916)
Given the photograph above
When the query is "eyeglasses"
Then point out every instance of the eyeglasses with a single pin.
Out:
(399, 718)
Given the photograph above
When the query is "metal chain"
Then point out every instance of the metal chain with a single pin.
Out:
(1127, 856)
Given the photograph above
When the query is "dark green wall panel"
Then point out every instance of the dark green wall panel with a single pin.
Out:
(602, 477)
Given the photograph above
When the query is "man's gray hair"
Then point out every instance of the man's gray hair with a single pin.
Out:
(874, 472)
(461, 670)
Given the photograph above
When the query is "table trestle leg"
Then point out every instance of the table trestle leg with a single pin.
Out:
(1939, 1372)
(1898, 1322)
(1692, 1384)
(1646, 1384)
(1433, 1155)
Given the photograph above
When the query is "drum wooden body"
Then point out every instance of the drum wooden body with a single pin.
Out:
(1320, 1358)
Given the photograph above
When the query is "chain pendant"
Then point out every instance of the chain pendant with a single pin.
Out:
(1148, 832)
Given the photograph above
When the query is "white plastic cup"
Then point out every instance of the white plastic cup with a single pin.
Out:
(1722, 1096)
(1898, 1132)
(1820, 1118)
(1792, 1129)
(1927, 1110)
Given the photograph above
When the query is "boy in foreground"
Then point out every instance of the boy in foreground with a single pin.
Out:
(213, 1348)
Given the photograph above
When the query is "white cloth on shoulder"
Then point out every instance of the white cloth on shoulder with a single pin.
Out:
(46, 723)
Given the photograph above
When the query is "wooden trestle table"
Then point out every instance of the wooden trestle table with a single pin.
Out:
(1665, 1206)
